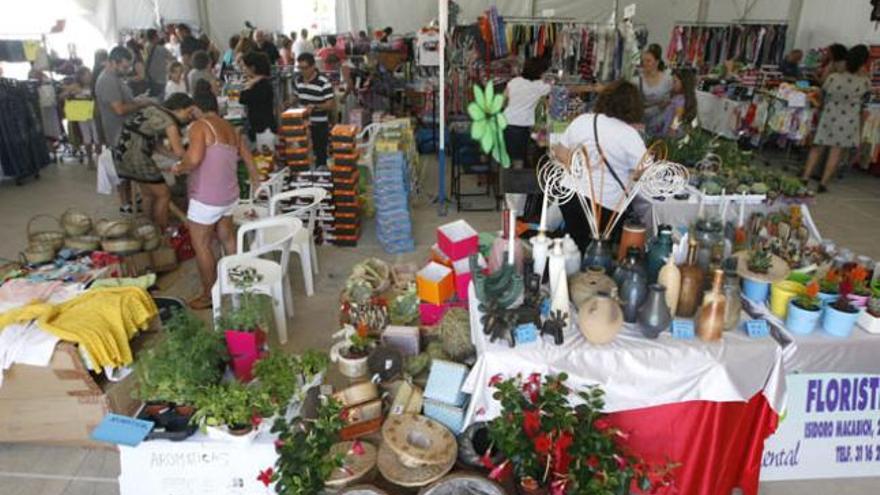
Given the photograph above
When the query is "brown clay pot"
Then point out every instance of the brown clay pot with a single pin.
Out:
(239, 431)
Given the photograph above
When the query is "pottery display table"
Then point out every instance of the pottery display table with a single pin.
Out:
(196, 466)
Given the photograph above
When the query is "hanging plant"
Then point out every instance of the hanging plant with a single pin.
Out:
(488, 122)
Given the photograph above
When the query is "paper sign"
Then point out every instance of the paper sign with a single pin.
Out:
(629, 11)
(683, 329)
(122, 430)
(757, 328)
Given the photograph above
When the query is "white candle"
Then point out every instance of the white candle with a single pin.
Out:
(543, 226)
(742, 211)
(512, 237)
(700, 209)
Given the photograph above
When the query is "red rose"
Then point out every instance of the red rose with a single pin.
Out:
(266, 476)
(531, 423)
(495, 380)
(560, 452)
(543, 444)
(535, 379)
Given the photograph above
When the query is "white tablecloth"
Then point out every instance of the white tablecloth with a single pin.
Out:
(718, 114)
(635, 372)
(197, 466)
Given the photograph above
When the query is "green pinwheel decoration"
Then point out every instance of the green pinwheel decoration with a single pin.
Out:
(488, 122)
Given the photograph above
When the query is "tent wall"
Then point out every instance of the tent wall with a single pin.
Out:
(823, 22)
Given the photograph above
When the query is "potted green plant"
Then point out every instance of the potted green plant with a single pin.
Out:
(841, 315)
(858, 277)
(828, 286)
(188, 358)
(303, 464)
(805, 310)
(869, 319)
(284, 378)
(351, 353)
(229, 410)
(759, 263)
(244, 324)
(552, 447)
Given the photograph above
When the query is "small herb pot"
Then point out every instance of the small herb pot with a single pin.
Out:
(350, 367)
(801, 321)
(755, 290)
(838, 323)
(781, 293)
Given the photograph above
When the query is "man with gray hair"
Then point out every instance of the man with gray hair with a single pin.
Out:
(266, 46)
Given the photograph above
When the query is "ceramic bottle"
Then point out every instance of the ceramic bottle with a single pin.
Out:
(660, 249)
(633, 286)
(691, 284)
(734, 302)
(670, 277)
(654, 315)
(632, 263)
(598, 253)
(633, 235)
(710, 323)
(600, 319)
(572, 255)
(583, 286)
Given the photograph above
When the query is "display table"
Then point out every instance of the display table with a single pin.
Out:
(679, 400)
(720, 115)
(196, 466)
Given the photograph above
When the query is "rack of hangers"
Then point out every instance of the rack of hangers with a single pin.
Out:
(704, 45)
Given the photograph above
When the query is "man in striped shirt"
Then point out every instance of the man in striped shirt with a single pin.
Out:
(314, 91)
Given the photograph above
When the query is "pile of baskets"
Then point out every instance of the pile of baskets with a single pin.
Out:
(76, 231)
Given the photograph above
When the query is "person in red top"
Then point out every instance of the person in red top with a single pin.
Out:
(331, 56)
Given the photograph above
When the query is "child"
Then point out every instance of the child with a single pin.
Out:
(81, 89)
(682, 108)
(175, 83)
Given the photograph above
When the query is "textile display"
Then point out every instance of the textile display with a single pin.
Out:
(101, 321)
(23, 148)
(26, 344)
(706, 45)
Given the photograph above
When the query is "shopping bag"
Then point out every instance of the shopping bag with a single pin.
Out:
(107, 178)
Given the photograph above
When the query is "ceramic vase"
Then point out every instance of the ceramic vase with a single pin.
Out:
(654, 315)
(572, 255)
(710, 323)
(660, 250)
(691, 284)
(838, 323)
(600, 319)
(633, 235)
(594, 281)
(781, 293)
(598, 253)
(633, 291)
(755, 290)
(670, 277)
(632, 263)
(801, 321)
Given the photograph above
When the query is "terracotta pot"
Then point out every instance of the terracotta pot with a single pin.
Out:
(691, 284)
(600, 319)
(633, 235)
(710, 322)
(184, 410)
(156, 408)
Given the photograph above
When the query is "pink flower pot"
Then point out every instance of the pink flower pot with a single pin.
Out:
(244, 350)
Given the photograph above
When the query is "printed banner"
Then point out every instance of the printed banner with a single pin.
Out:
(829, 430)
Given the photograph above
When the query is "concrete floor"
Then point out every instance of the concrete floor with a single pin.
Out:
(850, 214)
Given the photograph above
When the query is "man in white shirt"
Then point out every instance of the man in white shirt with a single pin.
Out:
(303, 44)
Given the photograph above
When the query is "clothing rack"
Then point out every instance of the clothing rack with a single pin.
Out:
(23, 148)
(704, 45)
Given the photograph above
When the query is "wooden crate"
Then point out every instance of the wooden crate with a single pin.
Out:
(60, 404)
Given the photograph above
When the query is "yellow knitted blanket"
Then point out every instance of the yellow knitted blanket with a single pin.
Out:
(101, 321)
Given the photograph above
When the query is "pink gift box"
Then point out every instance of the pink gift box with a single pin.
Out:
(431, 314)
(462, 271)
(458, 239)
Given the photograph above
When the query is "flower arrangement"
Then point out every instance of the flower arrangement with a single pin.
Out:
(548, 443)
(858, 277)
(843, 302)
(303, 463)
(809, 300)
(829, 284)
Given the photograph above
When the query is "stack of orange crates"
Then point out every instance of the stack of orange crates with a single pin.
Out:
(294, 136)
(343, 146)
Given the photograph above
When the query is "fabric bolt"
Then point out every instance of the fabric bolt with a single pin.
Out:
(141, 133)
(101, 321)
(840, 120)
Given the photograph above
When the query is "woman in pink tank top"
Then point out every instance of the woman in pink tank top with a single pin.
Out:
(211, 161)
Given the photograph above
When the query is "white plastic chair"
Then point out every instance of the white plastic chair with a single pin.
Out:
(304, 241)
(274, 281)
(366, 141)
(255, 207)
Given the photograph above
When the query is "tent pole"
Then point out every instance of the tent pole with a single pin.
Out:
(443, 14)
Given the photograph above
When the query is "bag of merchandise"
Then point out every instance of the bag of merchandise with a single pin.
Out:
(107, 178)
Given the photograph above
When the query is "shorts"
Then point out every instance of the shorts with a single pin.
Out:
(203, 214)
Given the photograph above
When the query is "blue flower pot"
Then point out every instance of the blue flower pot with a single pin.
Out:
(838, 323)
(801, 321)
(756, 290)
(827, 298)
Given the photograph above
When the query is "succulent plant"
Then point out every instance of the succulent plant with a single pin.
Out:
(760, 261)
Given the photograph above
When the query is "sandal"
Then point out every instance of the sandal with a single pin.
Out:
(201, 302)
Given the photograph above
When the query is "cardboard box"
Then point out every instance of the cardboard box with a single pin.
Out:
(435, 283)
(404, 339)
(458, 240)
(462, 272)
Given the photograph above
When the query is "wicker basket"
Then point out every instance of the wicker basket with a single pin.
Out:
(122, 245)
(112, 228)
(75, 223)
(37, 254)
(149, 234)
(83, 243)
(54, 238)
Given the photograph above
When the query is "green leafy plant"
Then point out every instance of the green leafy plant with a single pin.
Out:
(312, 363)
(189, 358)
(547, 442)
(232, 404)
(809, 299)
(404, 308)
(760, 261)
(830, 283)
(279, 378)
(303, 463)
(874, 307)
(249, 316)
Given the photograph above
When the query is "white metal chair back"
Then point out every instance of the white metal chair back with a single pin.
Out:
(307, 212)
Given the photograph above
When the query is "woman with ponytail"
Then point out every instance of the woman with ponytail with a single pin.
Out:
(211, 161)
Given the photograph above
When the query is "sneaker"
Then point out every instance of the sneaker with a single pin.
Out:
(126, 209)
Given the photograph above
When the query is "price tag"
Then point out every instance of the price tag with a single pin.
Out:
(683, 329)
(526, 333)
(757, 328)
(629, 11)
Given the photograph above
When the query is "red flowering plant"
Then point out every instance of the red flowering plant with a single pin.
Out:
(303, 463)
(858, 277)
(547, 442)
(830, 283)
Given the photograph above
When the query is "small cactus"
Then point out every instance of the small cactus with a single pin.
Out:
(874, 307)
(760, 261)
